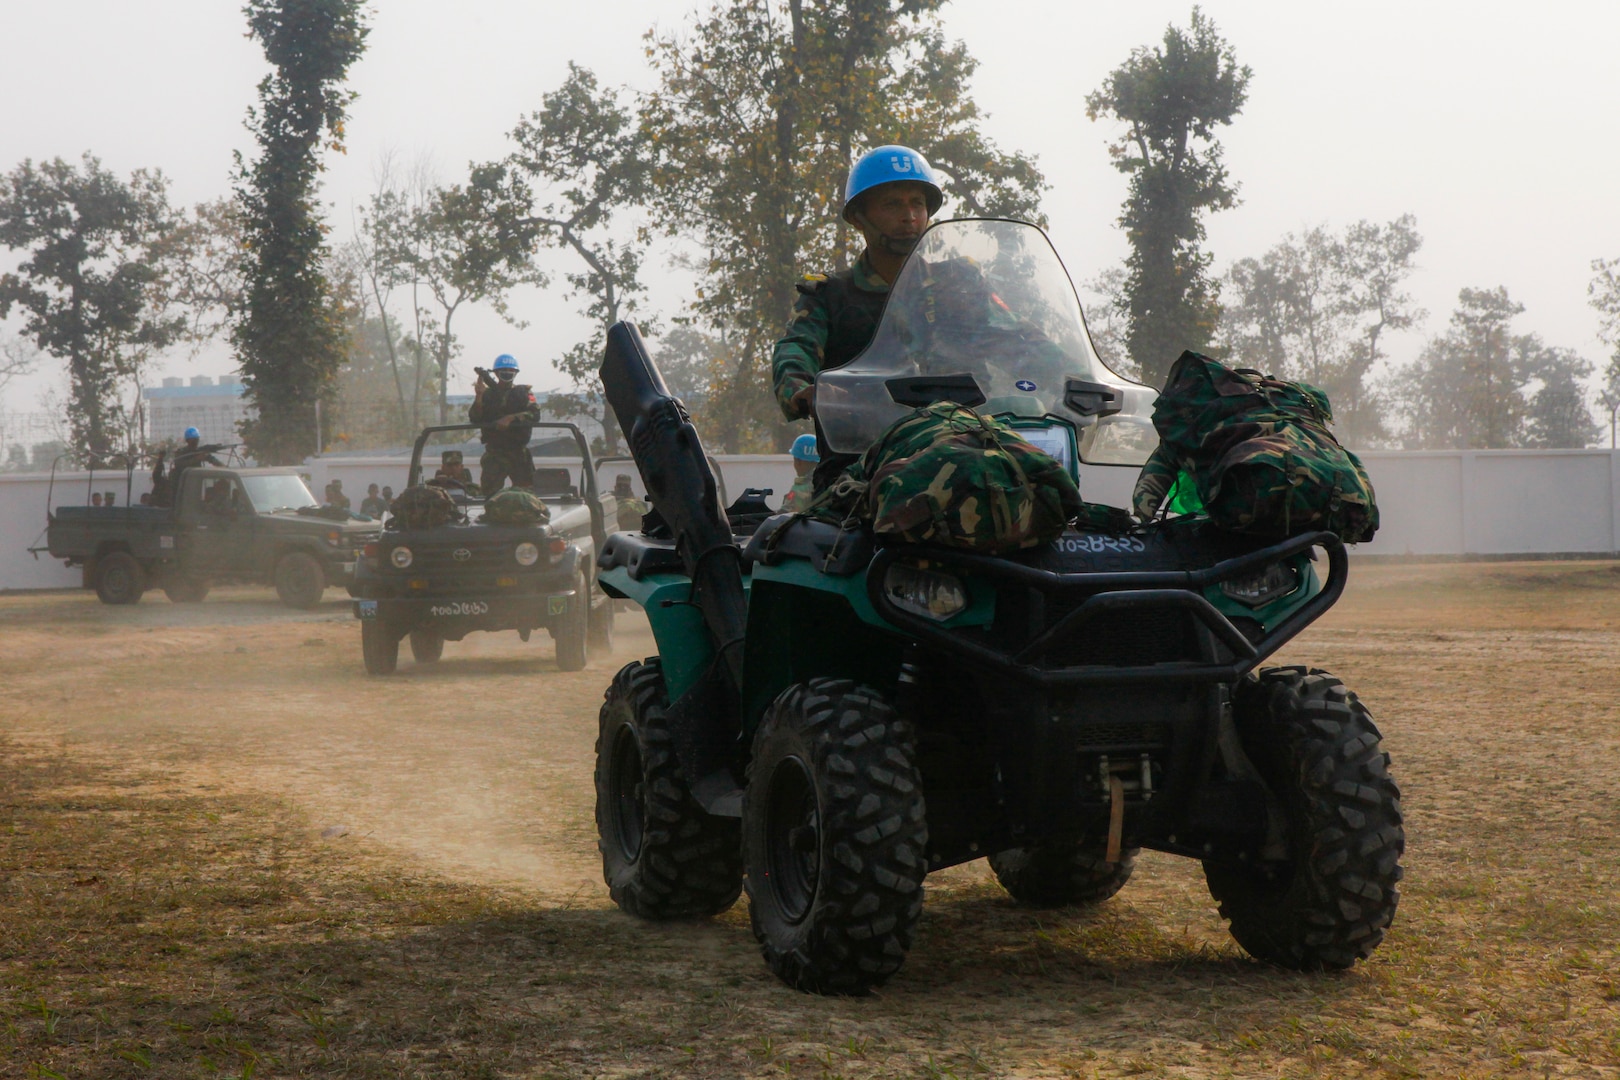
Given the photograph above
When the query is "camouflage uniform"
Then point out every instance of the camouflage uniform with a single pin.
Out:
(951, 476)
(1257, 453)
(506, 450)
(833, 320)
(799, 495)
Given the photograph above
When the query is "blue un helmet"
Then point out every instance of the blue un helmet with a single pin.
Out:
(192, 433)
(888, 165)
(506, 362)
(804, 448)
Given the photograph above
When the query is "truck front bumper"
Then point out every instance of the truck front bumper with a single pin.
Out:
(454, 617)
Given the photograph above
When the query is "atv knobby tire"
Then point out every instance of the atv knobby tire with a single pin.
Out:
(1330, 903)
(663, 855)
(835, 838)
(1057, 875)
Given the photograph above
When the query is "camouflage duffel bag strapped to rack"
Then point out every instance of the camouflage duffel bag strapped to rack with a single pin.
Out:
(423, 507)
(1259, 453)
(515, 506)
(947, 475)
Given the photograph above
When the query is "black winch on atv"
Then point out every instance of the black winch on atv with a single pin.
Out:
(832, 716)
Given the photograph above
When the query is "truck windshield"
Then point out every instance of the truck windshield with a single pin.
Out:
(277, 492)
(986, 308)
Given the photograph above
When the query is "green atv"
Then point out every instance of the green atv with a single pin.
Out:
(833, 715)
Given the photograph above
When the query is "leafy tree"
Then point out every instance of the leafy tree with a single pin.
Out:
(1558, 416)
(1102, 299)
(579, 162)
(1172, 98)
(289, 339)
(1316, 306)
(761, 107)
(1480, 386)
(91, 288)
(1604, 293)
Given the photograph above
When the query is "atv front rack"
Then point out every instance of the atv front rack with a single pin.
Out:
(1112, 594)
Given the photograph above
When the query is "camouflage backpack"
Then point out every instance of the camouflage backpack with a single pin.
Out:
(947, 475)
(423, 506)
(1259, 454)
(515, 506)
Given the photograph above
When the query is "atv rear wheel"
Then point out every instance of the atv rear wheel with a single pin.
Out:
(663, 855)
(1057, 875)
(300, 580)
(426, 646)
(835, 837)
(573, 636)
(119, 579)
(379, 646)
(1329, 904)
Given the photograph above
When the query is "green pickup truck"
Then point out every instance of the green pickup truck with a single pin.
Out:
(228, 526)
(432, 584)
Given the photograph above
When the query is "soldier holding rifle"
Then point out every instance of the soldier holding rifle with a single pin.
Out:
(507, 410)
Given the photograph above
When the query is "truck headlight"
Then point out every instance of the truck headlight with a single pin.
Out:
(401, 557)
(925, 592)
(334, 538)
(1258, 590)
(527, 553)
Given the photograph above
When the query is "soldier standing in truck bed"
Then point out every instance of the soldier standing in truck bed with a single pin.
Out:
(508, 412)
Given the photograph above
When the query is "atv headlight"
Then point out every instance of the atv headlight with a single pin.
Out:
(1258, 590)
(527, 553)
(400, 557)
(925, 592)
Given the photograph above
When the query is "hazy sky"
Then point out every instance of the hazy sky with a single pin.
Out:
(1497, 125)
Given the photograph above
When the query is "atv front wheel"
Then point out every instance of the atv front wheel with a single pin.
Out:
(835, 838)
(379, 647)
(1330, 902)
(1057, 875)
(663, 855)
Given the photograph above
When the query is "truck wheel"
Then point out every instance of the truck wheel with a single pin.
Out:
(1062, 874)
(183, 589)
(601, 635)
(834, 838)
(426, 646)
(379, 646)
(300, 580)
(663, 855)
(572, 649)
(119, 578)
(1330, 902)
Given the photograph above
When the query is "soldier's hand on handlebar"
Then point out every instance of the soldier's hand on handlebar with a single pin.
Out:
(804, 402)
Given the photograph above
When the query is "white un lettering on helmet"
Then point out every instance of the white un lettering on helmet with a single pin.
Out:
(901, 163)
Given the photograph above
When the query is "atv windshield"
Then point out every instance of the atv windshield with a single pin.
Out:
(983, 313)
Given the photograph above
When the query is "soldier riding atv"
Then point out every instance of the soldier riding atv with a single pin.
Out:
(836, 711)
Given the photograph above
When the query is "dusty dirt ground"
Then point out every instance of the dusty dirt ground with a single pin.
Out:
(226, 851)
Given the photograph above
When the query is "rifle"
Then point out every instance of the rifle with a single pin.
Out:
(484, 376)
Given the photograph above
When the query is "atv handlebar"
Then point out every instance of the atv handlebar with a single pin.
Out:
(1139, 591)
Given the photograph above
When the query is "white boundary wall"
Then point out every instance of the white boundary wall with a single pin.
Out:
(1432, 503)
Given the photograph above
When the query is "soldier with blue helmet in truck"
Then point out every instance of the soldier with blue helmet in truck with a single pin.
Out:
(165, 484)
(890, 196)
(508, 412)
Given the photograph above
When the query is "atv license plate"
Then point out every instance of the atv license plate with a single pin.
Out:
(452, 608)
(365, 609)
